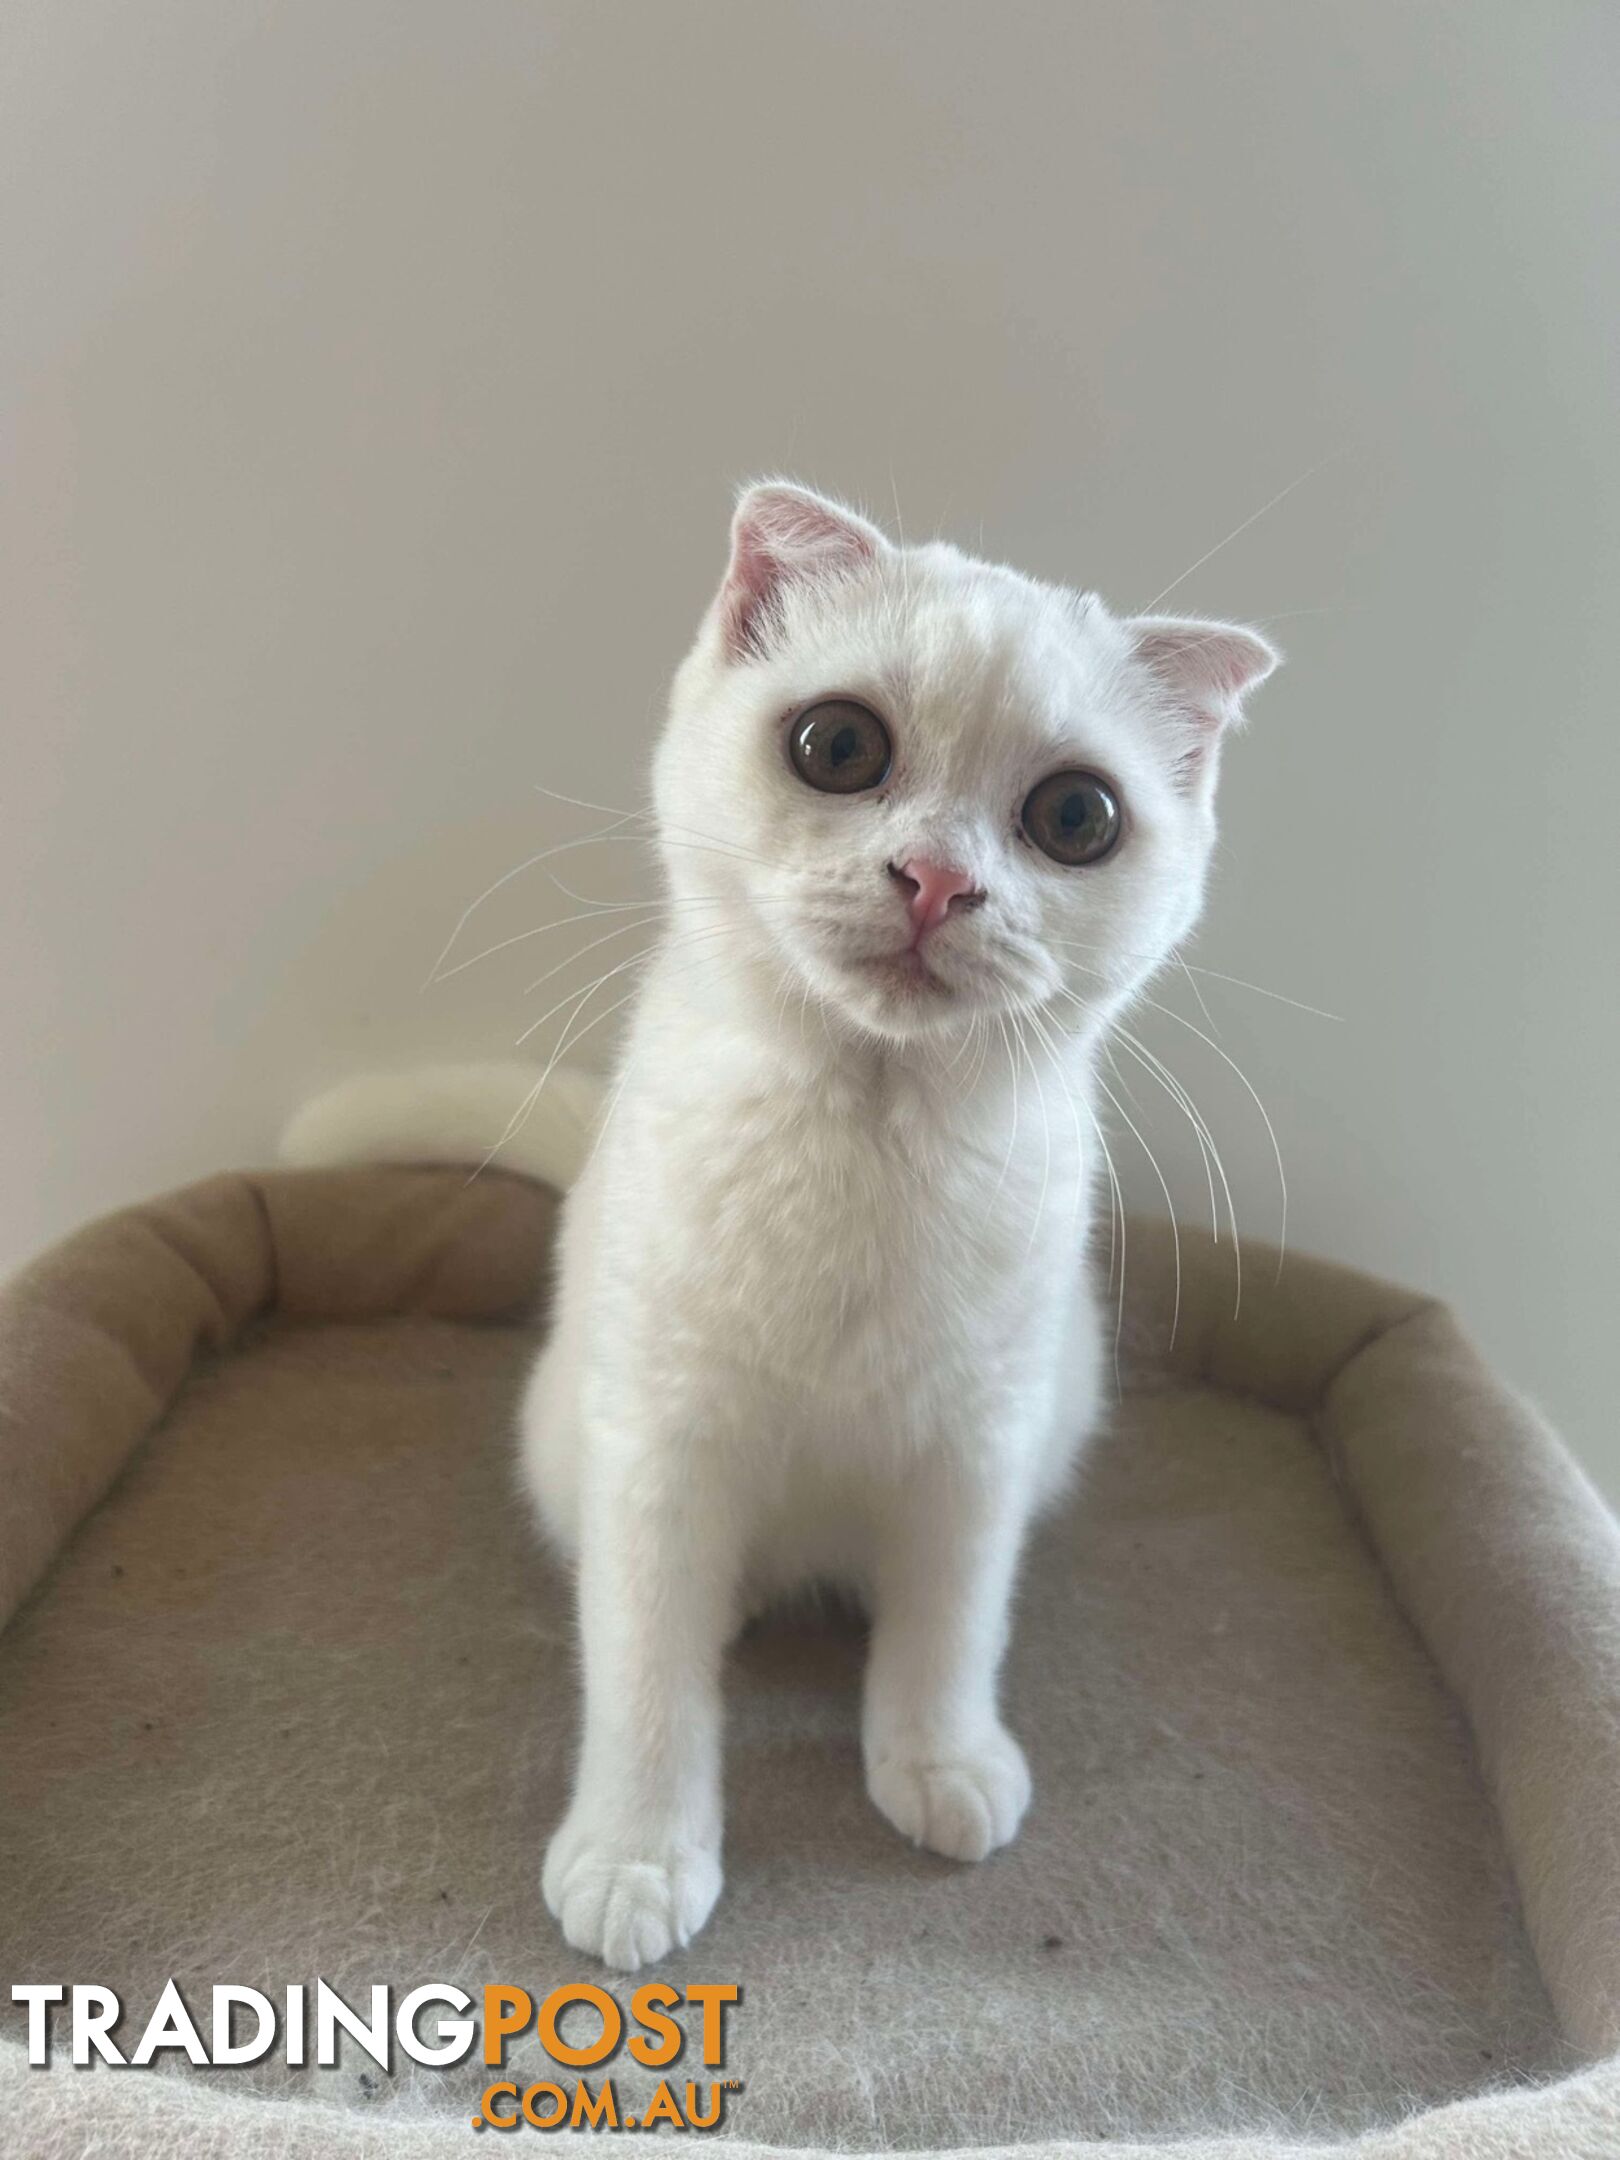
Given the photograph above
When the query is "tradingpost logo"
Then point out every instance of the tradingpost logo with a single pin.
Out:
(682, 2030)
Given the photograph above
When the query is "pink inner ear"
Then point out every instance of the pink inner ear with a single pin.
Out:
(778, 536)
(1210, 664)
(1207, 661)
(1208, 668)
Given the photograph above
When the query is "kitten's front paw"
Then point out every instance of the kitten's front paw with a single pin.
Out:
(628, 1909)
(962, 1801)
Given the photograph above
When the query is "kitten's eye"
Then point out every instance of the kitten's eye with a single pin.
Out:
(1073, 816)
(839, 747)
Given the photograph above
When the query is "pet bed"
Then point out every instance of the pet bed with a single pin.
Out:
(1319, 1677)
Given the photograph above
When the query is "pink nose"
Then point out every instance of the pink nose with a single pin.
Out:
(931, 889)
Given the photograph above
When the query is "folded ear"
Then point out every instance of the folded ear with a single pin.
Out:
(1206, 669)
(781, 535)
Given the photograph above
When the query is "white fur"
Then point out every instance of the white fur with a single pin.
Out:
(451, 1113)
(821, 1309)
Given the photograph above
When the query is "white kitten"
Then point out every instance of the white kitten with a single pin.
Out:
(927, 826)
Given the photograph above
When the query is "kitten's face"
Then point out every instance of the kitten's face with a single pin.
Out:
(943, 791)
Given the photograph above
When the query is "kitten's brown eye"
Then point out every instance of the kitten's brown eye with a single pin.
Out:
(1073, 816)
(839, 747)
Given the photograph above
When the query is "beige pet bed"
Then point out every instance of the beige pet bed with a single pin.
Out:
(1319, 1678)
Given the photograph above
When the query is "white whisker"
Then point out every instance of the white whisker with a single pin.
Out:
(1080, 1169)
(1192, 985)
(619, 930)
(519, 937)
(524, 1111)
(1012, 1137)
(1253, 518)
(1046, 1135)
(1152, 1066)
(1175, 1227)
(1181, 1020)
(1116, 1213)
(660, 825)
(607, 976)
(1211, 1153)
(1193, 968)
(506, 877)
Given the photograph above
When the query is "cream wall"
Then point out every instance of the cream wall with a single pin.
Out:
(377, 375)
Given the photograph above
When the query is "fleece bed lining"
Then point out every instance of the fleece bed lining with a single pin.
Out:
(1319, 1674)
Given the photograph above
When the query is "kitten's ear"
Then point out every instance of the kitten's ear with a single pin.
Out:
(780, 535)
(1207, 669)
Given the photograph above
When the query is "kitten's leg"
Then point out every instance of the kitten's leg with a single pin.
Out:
(939, 1762)
(634, 1868)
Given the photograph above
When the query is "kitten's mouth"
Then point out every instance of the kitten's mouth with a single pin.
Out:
(906, 973)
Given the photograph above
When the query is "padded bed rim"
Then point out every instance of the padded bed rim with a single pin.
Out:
(1497, 1547)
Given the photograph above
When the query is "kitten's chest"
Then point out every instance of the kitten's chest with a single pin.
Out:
(841, 1248)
